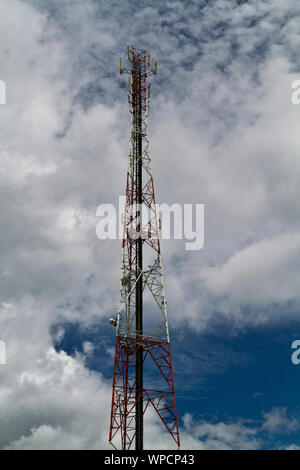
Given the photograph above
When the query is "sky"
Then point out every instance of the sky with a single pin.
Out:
(223, 133)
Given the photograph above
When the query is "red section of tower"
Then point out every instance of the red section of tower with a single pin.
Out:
(142, 335)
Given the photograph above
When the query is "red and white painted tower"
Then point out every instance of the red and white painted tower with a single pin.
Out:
(142, 335)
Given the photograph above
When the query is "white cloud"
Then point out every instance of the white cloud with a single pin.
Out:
(220, 436)
(88, 348)
(248, 178)
(249, 183)
(48, 399)
(262, 273)
(292, 447)
(278, 421)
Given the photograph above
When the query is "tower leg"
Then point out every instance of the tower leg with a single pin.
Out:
(139, 264)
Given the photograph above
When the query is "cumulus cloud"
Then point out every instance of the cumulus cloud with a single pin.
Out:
(220, 436)
(277, 421)
(262, 274)
(234, 121)
(47, 397)
(292, 447)
(249, 185)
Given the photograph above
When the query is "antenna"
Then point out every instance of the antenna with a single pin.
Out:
(142, 337)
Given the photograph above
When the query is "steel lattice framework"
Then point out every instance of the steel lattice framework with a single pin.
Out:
(140, 340)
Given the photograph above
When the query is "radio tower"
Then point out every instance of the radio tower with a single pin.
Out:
(142, 335)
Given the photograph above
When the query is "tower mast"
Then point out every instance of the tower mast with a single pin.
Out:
(142, 334)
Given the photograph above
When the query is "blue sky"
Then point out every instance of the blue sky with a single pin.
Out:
(223, 132)
(222, 377)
